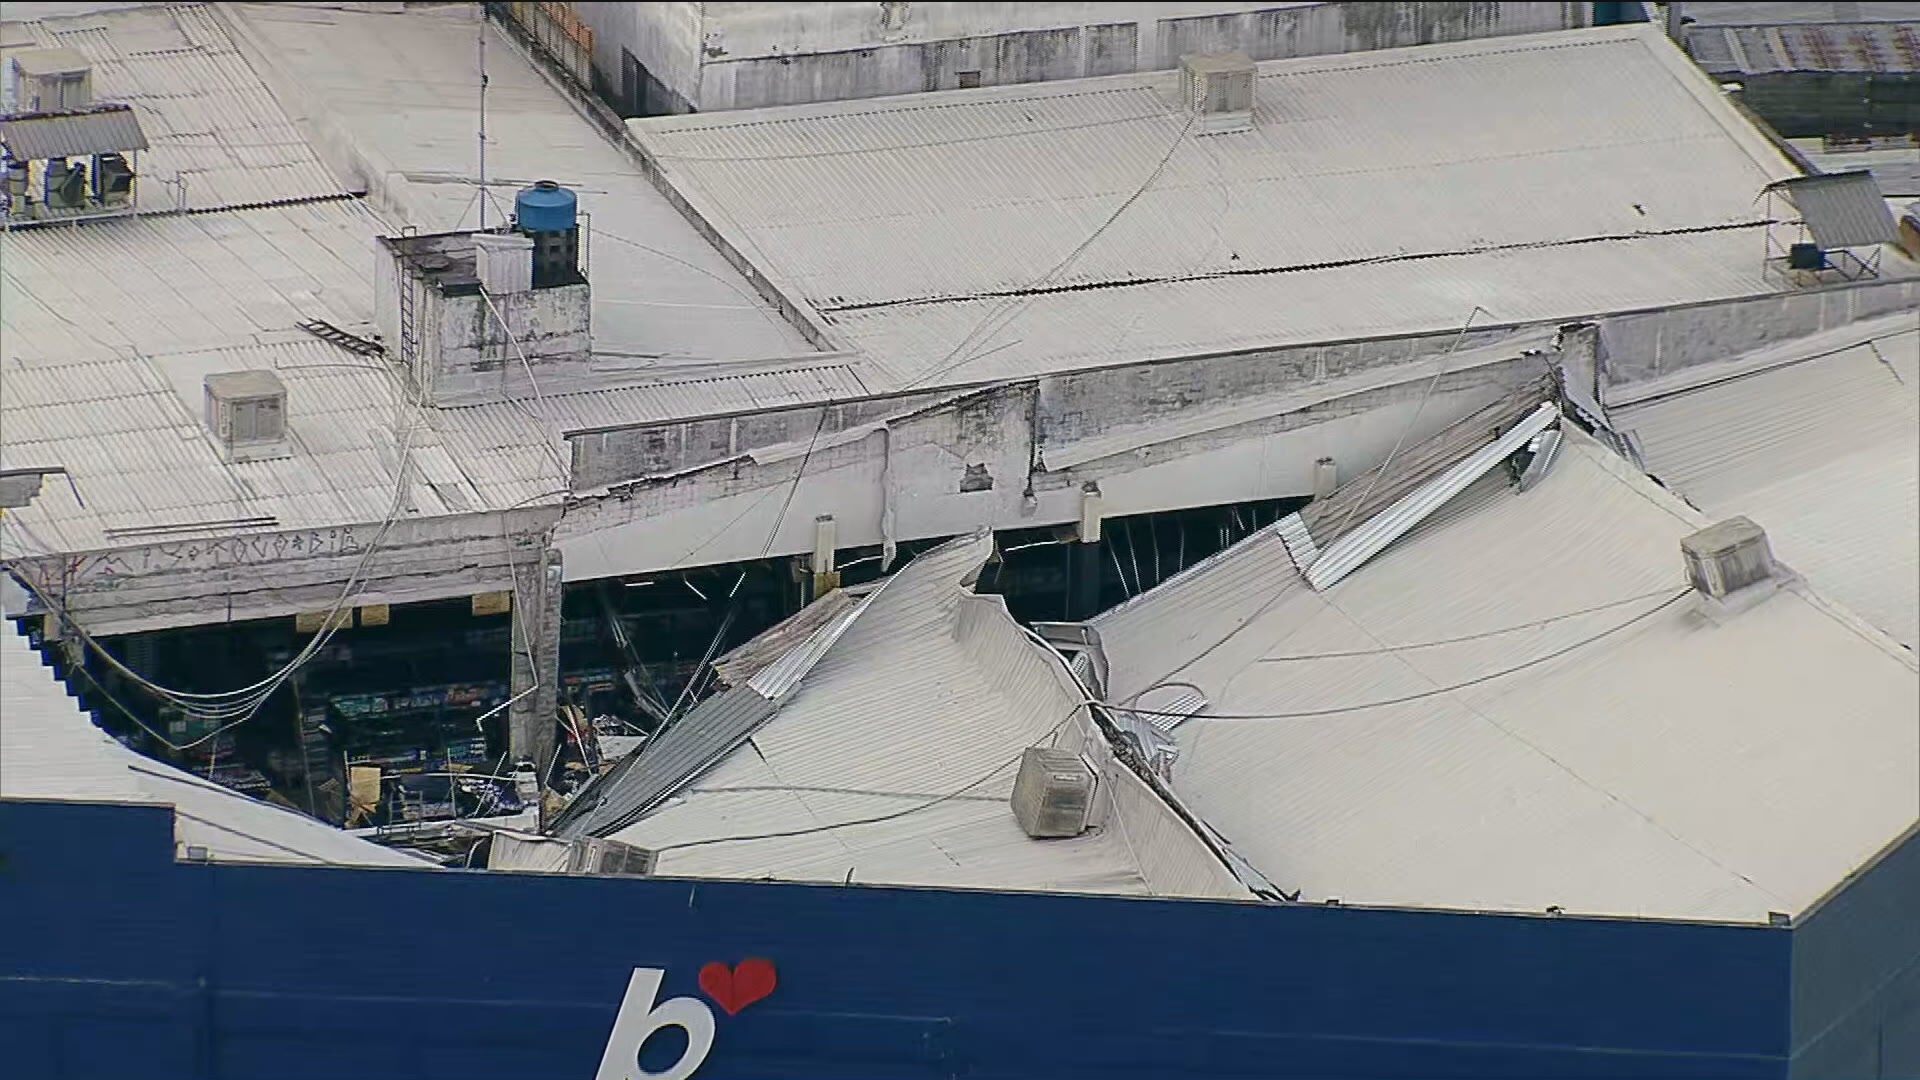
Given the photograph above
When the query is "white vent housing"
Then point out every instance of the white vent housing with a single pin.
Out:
(247, 413)
(1727, 558)
(1053, 795)
(1217, 88)
(597, 855)
(503, 262)
(546, 855)
(52, 80)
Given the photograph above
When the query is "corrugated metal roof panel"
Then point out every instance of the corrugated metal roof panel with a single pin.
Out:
(1573, 782)
(402, 89)
(104, 129)
(920, 224)
(743, 663)
(1351, 550)
(1776, 13)
(1824, 453)
(212, 121)
(1885, 47)
(669, 760)
(917, 715)
(1841, 209)
(50, 749)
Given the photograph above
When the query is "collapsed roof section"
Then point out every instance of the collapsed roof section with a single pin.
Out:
(50, 749)
(884, 749)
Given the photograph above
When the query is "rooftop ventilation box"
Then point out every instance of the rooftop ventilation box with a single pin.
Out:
(247, 413)
(51, 80)
(1730, 564)
(1053, 795)
(1217, 89)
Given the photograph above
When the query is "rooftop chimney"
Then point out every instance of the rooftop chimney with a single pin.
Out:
(1728, 561)
(1217, 88)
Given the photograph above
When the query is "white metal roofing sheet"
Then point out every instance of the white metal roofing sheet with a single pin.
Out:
(1823, 451)
(102, 374)
(1844, 209)
(212, 121)
(931, 692)
(50, 749)
(1675, 767)
(900, 211)
(1097, 327)
(51, 135)
(399, 94)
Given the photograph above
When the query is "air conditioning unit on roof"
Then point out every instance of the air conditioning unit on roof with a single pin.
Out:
(1053, 795)
(1217, 88)
(247, 413)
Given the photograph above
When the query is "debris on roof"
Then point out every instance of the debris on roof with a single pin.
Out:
(889, 755)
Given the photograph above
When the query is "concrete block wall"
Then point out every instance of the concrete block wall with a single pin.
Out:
(467, 359)
(1646, 345)
(747, 55)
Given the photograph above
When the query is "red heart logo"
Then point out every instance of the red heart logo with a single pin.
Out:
(742, 985)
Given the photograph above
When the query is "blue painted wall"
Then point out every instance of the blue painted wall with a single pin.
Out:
(115, 961)
(1856, 974)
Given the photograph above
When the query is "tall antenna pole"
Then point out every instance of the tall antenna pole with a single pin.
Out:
(481, 39)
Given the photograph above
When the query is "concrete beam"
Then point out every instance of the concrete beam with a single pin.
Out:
(267, 575)
(977, 463)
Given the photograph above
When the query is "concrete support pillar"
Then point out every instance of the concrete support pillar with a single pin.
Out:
(535, 677)
(1084, 581)
(1326, 477)
(825, 577)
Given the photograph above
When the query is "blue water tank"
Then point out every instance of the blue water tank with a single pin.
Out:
(545, 207)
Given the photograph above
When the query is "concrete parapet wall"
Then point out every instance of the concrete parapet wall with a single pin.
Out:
(1647, 345)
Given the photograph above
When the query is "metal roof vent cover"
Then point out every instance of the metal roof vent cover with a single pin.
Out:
(1053, 795)
(1728, 557)
(1217, 88)
(52, 80)
(247, 413)
(598, 855)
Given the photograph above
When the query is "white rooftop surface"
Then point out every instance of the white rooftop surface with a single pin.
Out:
(929, 690)
(50, 749)
(400, 93)
(108, 329)
(1671, 768)
(1378, 193)
(103, 375)
(1821, 446)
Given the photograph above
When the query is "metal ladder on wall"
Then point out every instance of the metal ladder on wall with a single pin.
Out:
(409, 328)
